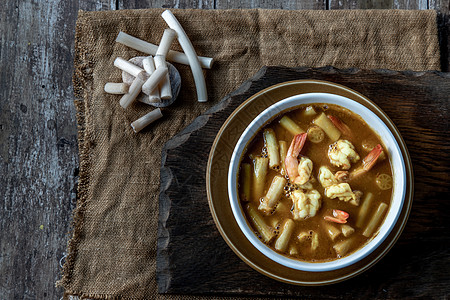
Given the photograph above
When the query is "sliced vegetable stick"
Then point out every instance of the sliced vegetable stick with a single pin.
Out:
(168, 36)
(149, 48)
(303, 236)
(267, 234)
(188, 49)
(154, 80)
(273, 194)
(149, 67)
(375, 220)
(314, 240)
(364, 210)
(283, 152)
(323, 122)
(133, 92)
(342, 247)
(144, 121)
(332, 231)
(246, 179)
(283, 240)
(309, 112)
(290, 125)
(260, 166)
(164, 86)
(270, 141)
(347, 230)
(130, 68)
(119, 88)
(293, 250)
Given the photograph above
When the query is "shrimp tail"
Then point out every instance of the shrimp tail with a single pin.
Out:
(340, 125)
(339, 216)
(371, 158)
(297, 144)
(291, 161)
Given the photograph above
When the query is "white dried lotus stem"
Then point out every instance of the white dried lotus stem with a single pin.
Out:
(133, 92)
(149, 48)
(149, 67)
(164, 86)
(144, 121)
(154, 80)
(130, 68)
(118, 88)
(188, 49)
(168, 36)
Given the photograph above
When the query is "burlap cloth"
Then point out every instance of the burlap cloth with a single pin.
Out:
(112, 253)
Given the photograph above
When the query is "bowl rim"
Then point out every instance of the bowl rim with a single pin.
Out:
(216, 191)
(389, 140)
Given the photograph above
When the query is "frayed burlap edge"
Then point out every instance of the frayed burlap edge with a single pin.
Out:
(81, 76)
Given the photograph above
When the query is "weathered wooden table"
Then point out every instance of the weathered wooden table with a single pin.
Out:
(38, 143)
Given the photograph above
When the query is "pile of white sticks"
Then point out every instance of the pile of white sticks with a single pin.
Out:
(153, 79)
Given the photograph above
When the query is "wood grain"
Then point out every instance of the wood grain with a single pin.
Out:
(375, 4)
(441, 5)
(131, 4)
(284, 4)
(38, 145)
(192, 256)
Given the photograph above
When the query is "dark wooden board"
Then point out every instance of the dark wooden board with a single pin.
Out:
(193, 257)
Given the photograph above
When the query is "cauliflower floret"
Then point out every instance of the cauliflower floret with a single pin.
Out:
(326, 178)
(305, 204)
(342, 153)
(305, 166)
(343, 192)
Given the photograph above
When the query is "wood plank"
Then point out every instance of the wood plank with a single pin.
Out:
(284, 4)
(441, 5)
(200, 262)
(38, 145)
(375, 4)
(133, 4)
(96, 5)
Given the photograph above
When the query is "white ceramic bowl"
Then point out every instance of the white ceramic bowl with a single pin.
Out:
(397, 164)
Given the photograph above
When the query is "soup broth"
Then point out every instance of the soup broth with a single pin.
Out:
(315, 183)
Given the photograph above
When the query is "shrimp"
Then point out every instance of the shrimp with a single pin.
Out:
(306, 204)
(326, 178)
(339, 216)
(343, 192)
(342, 176)
(341, 153)
(340, 125)
(368, 161)
(305, 166)
(299, 172)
